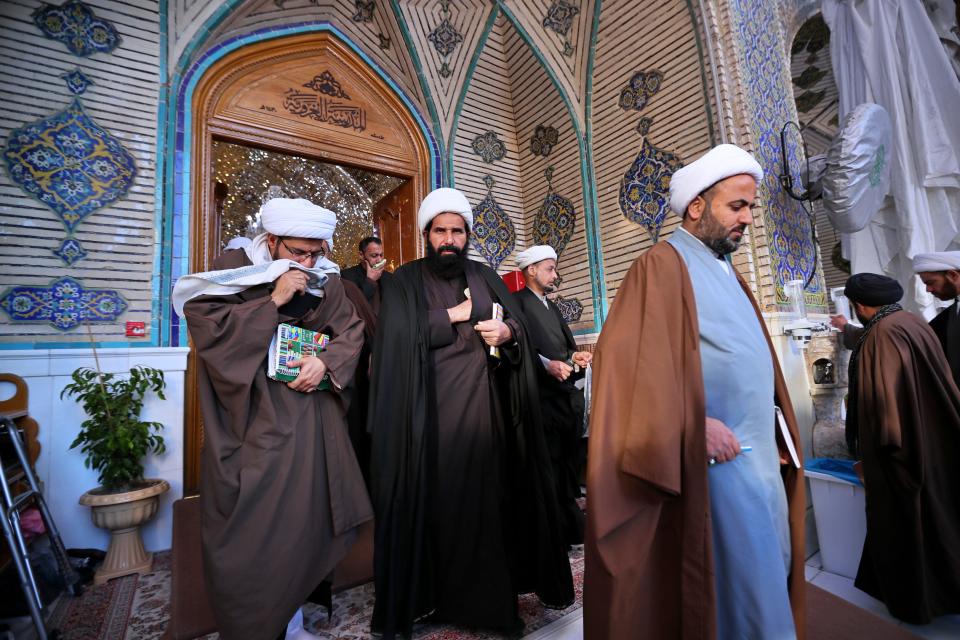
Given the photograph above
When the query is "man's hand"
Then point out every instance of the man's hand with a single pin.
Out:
(722, 445)
(582, 359)
(559, 369)
(461, 312)
(494, 332)
(839, 321)
(287, 285)
(312, 370)
(373, 274)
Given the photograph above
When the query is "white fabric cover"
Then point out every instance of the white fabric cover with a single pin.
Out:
(230, 281)
(857, 177)
(535, 254)
(444, 200)
(938, 261)
(720, 163)
(887, 52)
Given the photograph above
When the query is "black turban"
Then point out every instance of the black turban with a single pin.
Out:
(872, 289)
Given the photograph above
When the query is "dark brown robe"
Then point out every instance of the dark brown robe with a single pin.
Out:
(281, 492)
(908, 420)
(649, 566)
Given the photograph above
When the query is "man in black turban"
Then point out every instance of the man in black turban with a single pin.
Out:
(903, 421)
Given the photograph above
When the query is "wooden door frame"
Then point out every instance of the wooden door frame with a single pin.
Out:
(209, 124)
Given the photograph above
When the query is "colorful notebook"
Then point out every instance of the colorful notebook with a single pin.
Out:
(293, 343)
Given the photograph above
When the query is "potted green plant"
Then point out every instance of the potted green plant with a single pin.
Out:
(115, 441)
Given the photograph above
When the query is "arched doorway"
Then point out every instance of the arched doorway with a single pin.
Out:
(309, 96)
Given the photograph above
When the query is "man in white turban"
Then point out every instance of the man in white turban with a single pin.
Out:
(466, 515)
(561, 386)
(280, 486)
(940, 272)
(694, 526)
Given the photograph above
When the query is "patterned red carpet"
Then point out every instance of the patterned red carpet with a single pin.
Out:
(138, 608)
(130, 607)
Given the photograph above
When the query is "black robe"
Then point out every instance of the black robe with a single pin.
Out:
(947, 327)
(357, 274)
(407, 467)
(908, 418)
(561, 406)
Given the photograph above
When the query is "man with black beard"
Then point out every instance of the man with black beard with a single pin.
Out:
(466, 516)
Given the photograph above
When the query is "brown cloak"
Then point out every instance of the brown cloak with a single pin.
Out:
(908, 415)
(281, 492)
(649, 565)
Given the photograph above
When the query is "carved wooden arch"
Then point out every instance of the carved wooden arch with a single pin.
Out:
(308, 95)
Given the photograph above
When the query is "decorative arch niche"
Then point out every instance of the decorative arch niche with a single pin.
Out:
(308, 95)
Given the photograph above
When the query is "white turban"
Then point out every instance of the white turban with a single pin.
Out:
(535, 254)
(939, 261)
(720, 163)
(298, 218)
(294, 218)
(444, 200)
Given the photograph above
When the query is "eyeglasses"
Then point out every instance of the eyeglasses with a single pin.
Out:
(299, 255)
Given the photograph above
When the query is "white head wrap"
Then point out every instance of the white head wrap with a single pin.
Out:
(939, 261)
(238, 243)
(298, 218)
(444, 200)
(294, 218)
(720, 163)
(535, 254)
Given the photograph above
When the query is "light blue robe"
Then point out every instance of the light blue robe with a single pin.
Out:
(748, 504)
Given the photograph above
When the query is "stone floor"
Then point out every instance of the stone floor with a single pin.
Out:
(570, 627)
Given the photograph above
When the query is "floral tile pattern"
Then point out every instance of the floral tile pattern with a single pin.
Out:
(641, 87)
(489, 147)
(559, 18)
(69, 163)
(74, 24)
(555, 220)
(70, 251)
(645, 188)
(570, 308)
(64, 304)
(445, 39)
(793, 253)
(493, 235)
(543, 140)
(77, 81)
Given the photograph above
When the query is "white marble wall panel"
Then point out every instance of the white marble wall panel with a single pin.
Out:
(62, 470)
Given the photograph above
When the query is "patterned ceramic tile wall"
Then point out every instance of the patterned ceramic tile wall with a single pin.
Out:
(764, 61)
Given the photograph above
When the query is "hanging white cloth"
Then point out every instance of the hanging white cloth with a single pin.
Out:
(887, 52)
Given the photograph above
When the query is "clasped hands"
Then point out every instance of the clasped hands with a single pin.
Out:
(493, 332)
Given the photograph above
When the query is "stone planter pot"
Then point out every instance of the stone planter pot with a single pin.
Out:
(122, 513)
